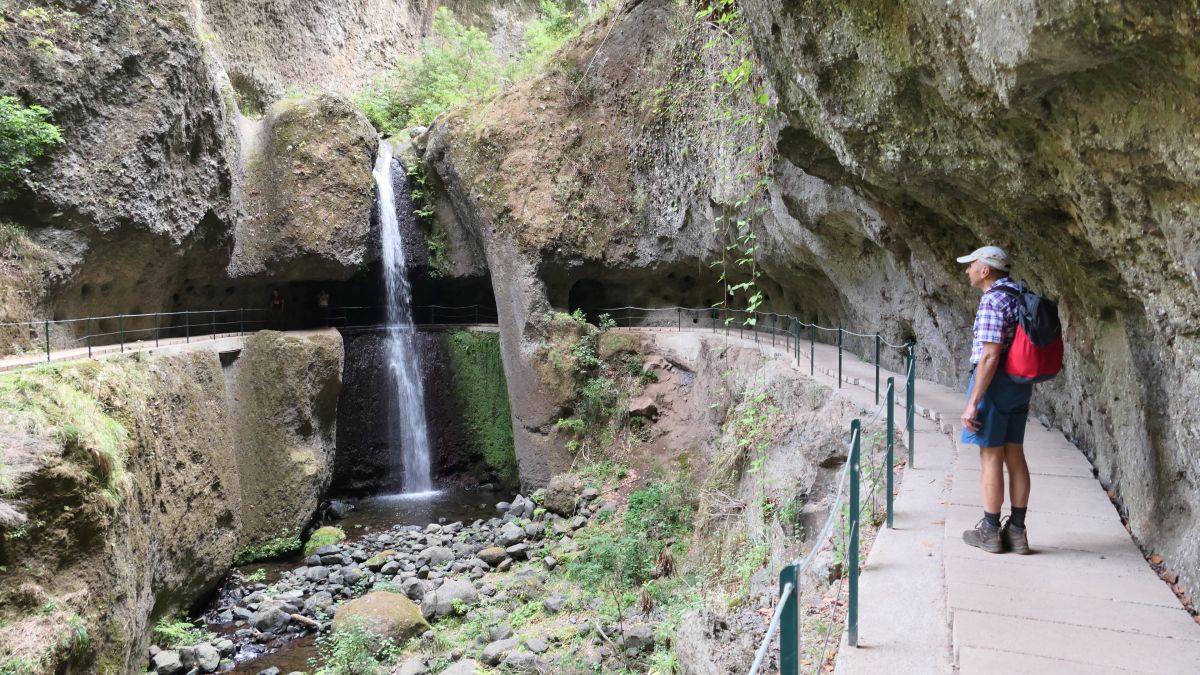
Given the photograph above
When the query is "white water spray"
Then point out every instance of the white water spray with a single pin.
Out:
(406, 422)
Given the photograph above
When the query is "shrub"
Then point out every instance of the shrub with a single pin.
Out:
(354, 650)
(285, 543)
(25, 134)
(171, 632)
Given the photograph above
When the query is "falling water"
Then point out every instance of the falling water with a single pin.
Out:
(409, 436)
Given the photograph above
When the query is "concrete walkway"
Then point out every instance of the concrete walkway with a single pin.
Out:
(1086, 601)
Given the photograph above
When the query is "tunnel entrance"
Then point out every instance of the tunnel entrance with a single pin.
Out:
(590, 296)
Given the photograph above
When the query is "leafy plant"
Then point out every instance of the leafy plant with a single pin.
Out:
(285, 543)
(25, 134)
(171, 632)
(257, 576)
(354, 650)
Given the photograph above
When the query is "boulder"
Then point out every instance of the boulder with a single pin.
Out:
(437, 556)
(463, 667)
(522, 507)
(510, 534)
(167, 663)
(443, 601)
(493, 555)
(386, 614)
(495, 652)
(207, 658)
(270, 617)
(562, 493)
(638, 637)
(325, 536)
(644, 407)
(319, 602)
(377, 561)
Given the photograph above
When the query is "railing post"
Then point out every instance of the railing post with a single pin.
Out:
(679, 319)
(839, 357)
(852, 552)
(187, 326)
(891, 445)
(629, 318)
(121, 330)
(796, 330)
(774, 319)
(877, 368)
(911, 399)
(242, 321)
(156, 315)
(89, 336)
(432, 314)
(812, 349)
(213, 323)
(46, 332)
(789, 623)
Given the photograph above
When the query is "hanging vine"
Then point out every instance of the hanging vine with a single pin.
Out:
(746, 102)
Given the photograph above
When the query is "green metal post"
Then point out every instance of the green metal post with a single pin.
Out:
(891, 445)
(877, 369)
(796, 330)
(911, 399)
(812, 349)
(121, 329)
(46, 331)
(212, 318)
(678, 319)
(774, 319)
(789, 624)
(629, 318)
(89, 337)
(156, 315)
(242, 321)
(839, 357)
(187, 326)
(855, 449)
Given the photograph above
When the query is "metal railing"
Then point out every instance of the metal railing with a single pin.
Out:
(792, 332)
(786, 618)
(121, 330)
(780, 327)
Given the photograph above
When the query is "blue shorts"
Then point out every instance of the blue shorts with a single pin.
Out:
(1002, 412)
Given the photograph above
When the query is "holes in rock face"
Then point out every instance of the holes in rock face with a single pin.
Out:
(590, 296)
(251, 98)
(85, 290)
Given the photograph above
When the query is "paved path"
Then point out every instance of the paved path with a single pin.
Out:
(1085, 602)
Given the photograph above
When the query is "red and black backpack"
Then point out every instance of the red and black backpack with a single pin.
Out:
(1036, 354)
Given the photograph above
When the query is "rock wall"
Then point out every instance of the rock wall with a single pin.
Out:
(461, 450)
(900, 137)
(127, 489)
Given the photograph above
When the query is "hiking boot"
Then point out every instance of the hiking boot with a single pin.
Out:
(1014, 539)
(984, 536)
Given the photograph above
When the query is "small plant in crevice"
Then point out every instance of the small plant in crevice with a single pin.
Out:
(354, 650)
(25, 134)
(171, 632)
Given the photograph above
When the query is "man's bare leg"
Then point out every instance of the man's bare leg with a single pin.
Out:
(991, 462)
(1014, 536)
(1018, 474)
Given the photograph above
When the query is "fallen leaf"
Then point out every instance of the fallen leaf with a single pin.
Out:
(1156, 559)
(1169, 576)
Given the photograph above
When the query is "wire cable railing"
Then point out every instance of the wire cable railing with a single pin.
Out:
(792, 332)
(87, 335)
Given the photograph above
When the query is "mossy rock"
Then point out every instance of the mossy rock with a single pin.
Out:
(384, 614)
(612, 343)
(323, 537)
(379, 559)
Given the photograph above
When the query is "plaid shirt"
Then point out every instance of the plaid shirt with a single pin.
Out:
(996, 320)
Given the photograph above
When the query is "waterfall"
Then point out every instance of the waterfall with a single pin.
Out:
(409, 436)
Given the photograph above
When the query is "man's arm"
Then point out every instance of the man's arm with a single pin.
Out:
(985, 370)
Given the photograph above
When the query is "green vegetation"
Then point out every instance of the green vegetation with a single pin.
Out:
(625, 555)
(25, 134)
(324, 536)
(285, 543)
(257, 576)
(61, 401)
(354, 650)
(172, 632)
(481, 393)
(457, 64)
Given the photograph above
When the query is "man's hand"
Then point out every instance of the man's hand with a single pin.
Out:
(970, 418)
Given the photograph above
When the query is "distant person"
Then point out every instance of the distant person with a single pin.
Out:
(276, 309)
(997, 406)
(323, 306)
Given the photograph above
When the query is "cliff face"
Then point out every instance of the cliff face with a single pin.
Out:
(129, 484)
(901, 138)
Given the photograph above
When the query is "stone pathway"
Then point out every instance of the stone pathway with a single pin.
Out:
(1086, 601)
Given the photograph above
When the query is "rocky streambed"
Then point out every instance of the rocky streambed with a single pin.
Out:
(403, 578)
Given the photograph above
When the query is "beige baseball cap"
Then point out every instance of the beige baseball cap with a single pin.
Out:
(990, 255)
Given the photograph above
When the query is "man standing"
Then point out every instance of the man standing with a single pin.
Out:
(997, 407)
